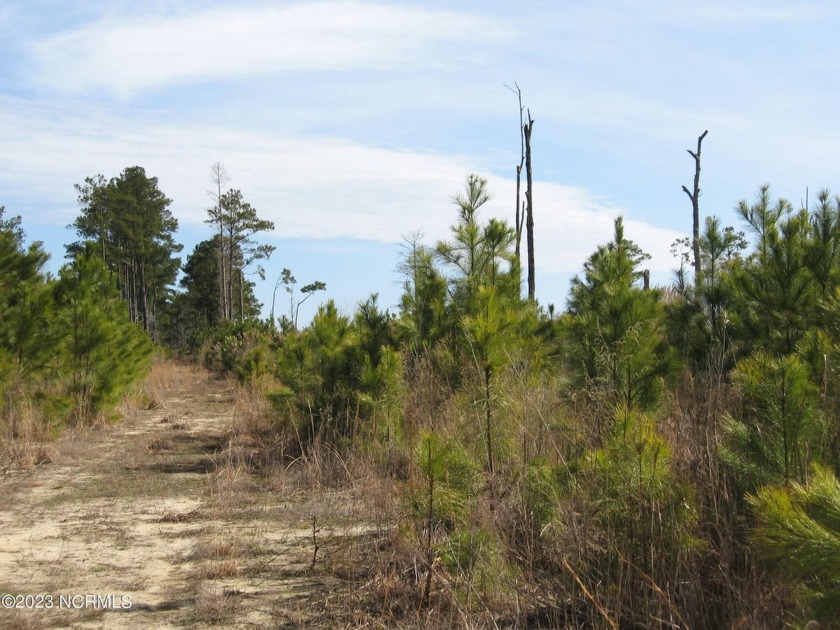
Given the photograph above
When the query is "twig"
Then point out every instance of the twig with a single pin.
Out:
(314, 541)
(657, 589)
(589, 596)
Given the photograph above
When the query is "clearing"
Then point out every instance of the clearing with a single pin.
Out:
(165, 511)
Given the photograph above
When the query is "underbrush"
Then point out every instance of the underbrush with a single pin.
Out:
(34, 414)
(575, 527)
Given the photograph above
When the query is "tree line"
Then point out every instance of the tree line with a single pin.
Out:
(652, 456)
(71, 346)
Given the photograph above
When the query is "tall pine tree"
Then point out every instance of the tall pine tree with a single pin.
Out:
(129, 219)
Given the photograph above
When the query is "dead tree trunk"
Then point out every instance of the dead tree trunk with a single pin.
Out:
(529, 211)
(219, 176)
(695, 204)
(520, 209)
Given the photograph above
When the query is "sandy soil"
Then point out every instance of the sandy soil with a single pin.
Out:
(160, 513)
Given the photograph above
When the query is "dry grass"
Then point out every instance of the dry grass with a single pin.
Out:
(214, 607)
(219, 569)
(22, 620)
(330, 530)
(232, 488)
(160, 443)
(165, 377)
(25, 434)
(224, 545)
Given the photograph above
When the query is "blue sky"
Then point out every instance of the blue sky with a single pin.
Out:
(351, 124)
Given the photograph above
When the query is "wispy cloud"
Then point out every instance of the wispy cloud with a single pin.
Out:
(571, 223)
(312, 188)
(124, 56)
(751, 12)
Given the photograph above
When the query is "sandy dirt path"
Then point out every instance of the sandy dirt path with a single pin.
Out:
(155, 522)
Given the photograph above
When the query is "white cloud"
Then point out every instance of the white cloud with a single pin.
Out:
(128, 55)
(570, 222)
(312, 188)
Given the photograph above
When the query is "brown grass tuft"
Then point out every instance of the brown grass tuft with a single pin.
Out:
(214, 607)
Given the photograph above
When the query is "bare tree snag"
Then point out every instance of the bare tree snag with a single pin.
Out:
(220, 178)
(695, 203)
(519, 214)
(529, 210)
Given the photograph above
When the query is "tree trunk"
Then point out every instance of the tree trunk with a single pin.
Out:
(488, 419)
(222, 295)
(219, 176)
(133, 291)
(695, 205)
(529, 215)
(144, 296)
(153, 318)
(520, 210)
(241, 296)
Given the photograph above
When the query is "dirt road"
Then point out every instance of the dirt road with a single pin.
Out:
(156, 522)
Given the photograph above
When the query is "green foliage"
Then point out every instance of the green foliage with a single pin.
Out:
(774, 292)
(25, 303)
(447, 480)
(129, 220)
(194, 313)
(469, 551)
(697, 321)
(201, 283)
(319, 365)
(341, 370)
(27, 334)
(245, 350)
(384, 405)
(67, 348)
(105, 354)
(634, 465)
(542, 487)
(237, 223)
(798, 531)
(423, 303)
(645, 515)
(614, 338)
(822, 253)
(777, 431)
(477, 253)
(490, 336)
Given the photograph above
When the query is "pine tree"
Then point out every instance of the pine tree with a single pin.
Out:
(698, 320)
(238, 223)
(129, 219)
(423, 302)
(477, 253)
(614, 334)
(776, 433)
(27, 333)
(797, 530)
(103, 351)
